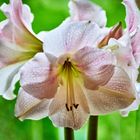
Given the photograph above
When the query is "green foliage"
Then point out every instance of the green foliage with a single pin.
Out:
(115, 11)
(48, 15)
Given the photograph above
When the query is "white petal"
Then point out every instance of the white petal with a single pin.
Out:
(7, 81)
(132, 15)
(67, 38)
(9, 93)
(29, 107)
(61, 117)
(117, 94)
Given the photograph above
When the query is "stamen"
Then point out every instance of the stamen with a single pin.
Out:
(71, 108)
(76, 105)
(67, 107)
(70, 98)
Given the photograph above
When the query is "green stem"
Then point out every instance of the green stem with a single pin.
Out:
(69, 134)
(92, 128)
(137, 129)
(37, 130)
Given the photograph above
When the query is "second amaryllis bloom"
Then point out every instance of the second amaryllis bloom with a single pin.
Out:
(72, 79)
(18, 44)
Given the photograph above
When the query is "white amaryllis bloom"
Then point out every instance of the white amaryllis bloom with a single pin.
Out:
(72, 79)
(18, 44)
(81, 10)
(133, 29)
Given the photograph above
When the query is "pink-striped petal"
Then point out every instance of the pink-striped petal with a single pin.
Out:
(85, 10)
(39, 78)
(96, 66)
(132, 15)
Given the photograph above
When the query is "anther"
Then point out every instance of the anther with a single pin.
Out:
(89, 21)
(67, 107)
(71, 108)
(75, 106)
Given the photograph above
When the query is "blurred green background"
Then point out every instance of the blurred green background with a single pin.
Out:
(48, 15)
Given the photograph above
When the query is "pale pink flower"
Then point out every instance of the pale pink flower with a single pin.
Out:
(130, 49)
(72, 79)
(18, 44)
(126, 48)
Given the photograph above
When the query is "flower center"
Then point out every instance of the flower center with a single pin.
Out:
(69, 72)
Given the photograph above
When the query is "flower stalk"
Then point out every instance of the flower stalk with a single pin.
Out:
(68, 133)
(92, 128)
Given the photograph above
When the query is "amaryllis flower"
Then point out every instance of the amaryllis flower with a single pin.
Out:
(130, 49)
(125, 46)
(81, 10)
(72, 79)
(18, 44)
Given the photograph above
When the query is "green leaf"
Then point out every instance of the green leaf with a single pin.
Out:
(127, 126)
(109, 127)
(115, 11)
